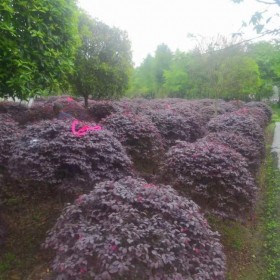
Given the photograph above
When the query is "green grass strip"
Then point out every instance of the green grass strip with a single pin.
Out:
(272, 219)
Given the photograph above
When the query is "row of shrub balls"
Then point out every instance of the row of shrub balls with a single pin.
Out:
(137, 183)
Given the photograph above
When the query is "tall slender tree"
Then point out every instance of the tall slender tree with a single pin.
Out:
(104, 61)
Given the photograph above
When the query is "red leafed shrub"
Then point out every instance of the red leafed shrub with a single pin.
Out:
(261, 105)
(173, 126)
(216, 108)
(139, 135)
(3, 232)
(243, 145)
(48, 154)
(215, 176)
(15, 110)
(133, 230)
(192, 117)
(242, 124)
(238, 104)
(42, 109)
(101, 109)
(256, 113)
(9, 131)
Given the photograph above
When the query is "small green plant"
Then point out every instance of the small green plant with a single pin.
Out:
(6, 263)
(276, 113)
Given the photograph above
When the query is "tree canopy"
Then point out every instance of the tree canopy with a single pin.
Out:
(223, 69)
(264, 21)
(103, 62)
(37, 46)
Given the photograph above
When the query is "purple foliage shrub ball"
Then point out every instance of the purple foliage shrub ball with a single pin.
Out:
(49, 154)
(238, 104)
(214, 176)
(242, 124)
(15, 110)
(172, 126)
(133, 230)
(243, 145)
(209, 108)
(256, 113)
(261, 105)
(101, 109)
(42, 109)
(139, 135)
(192, 118)
(9, 107)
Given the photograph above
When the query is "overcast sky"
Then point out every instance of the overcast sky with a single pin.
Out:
(152, 22)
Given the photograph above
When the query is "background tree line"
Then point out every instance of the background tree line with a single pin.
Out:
(222, 69)
(50, 47)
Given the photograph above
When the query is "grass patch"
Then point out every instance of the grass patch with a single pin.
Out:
(276, 113)
(28, 219)
(253, 248)
(271, 220)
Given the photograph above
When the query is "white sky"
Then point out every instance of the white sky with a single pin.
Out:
(152, 22)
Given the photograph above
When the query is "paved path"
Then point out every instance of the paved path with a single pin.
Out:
(276, 143)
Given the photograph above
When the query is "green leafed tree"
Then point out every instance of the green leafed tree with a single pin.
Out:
(239, 77)
(223, 70)
(176, 78)
(162, 62)
(266, 20)
(142, 83)
(37, 46)
(104, 61)
(267, 56)
(149, 78)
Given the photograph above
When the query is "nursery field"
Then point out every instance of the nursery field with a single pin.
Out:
(138, 189)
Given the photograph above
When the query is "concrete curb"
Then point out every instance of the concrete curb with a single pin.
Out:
(275, 148)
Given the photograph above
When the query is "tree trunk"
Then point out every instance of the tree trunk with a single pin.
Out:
(86, 100)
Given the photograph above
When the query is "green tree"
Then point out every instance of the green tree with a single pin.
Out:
(37, 47)
(176, 78)
(239, 77)
(104, 62)
(223, 70)
(149, 78)
(267, 56)
(143, 81)
(264, 21)
(162, 62)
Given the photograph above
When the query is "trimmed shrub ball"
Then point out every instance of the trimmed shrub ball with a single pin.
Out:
(208, 109)
(12, 108)
(172, 126)
(192, 117)
(54, 107)
(242, 124)
(243, 145)
(256, 113)
(133, 230)
(261, 105)
(9, 131)
(238, 104)
(139, 135)
(214, 176)
(49, 154)
(101, 109)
